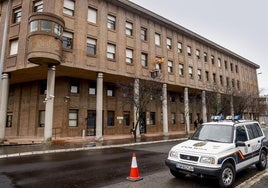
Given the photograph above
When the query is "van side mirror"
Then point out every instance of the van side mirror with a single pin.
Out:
(240, 143)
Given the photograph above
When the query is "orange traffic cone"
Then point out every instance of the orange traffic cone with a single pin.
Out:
(134, 171)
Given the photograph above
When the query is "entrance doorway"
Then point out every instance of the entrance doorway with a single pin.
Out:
(91, 123)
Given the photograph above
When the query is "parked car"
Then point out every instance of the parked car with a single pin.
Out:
(220, 149)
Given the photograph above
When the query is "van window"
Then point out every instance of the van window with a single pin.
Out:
(254, 131)
(241, 134)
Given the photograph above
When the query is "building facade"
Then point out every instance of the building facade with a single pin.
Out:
(61, 62)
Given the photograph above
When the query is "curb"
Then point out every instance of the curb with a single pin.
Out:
(88, 147)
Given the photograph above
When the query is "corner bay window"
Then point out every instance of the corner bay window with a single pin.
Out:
(47, 26)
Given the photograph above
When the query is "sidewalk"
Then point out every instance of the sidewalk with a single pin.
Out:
(14, 147)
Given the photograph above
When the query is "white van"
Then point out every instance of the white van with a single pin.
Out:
(220, 149)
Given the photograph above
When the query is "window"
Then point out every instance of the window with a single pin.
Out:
(129, 29)
(181, 69)
(191, 72)
(129, 56)
(169, 43)
(73, 118)
(182, 118)
(205, 57)
(236, 68)
(241, 134)
(207, 75)
(9, 120)
(254, 131)
(46, 25)
(197, 52)
(74, 86)
(143, 34)
(92, 88)
(212, 59)
(157, 39)
(110, 91)
(214, 77)
(199, 74)
(221, 80)
(173, 118)
(238, 84)
(92, 15)
(227, 82)
(13, 47)
(126, 118)
(67, 40)
(219, 62)
(111, 51)
(68, 7)
(233, 83)
(42, 118)
(38, 6)
(111, 22)
(144, 59)
(110, 118)
(91, 46)
(16, 15)
(172, 97)
(57, 29)
(231, 67)
(179, 47)
(189, 50)
(226, 64)
(33, 26)
(170, 66)
(152, 118)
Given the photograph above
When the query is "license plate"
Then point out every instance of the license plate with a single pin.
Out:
(185, 167)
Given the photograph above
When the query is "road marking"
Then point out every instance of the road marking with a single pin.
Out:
(251, 181)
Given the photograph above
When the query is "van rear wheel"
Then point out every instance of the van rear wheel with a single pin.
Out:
(261, 165)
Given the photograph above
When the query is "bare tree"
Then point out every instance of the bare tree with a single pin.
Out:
(148, 91)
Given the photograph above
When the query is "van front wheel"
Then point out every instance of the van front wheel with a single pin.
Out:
(227, 175)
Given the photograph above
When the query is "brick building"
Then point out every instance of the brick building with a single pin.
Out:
(61, 61)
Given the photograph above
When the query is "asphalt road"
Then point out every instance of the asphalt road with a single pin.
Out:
(100, 168)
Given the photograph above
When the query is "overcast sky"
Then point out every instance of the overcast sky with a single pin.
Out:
(238, 25)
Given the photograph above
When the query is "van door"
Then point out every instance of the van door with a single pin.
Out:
(255, 136)
(244, 153)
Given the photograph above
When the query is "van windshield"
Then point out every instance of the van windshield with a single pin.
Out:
(214, 133)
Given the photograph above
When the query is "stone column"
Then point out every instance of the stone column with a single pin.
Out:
(49, 103)
(218, 103)
(136, 109)
(165, 110)
(204, 107)
(3, 105)
(232, 106)
(99, 107)
(186, 111)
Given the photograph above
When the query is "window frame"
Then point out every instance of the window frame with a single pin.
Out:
(38, 6)
(67, 40)
(143, 33)
(91, 46)
(17, 13)
(157, 39)
(129, 28)
(14, 47)
(74, 119)
(69, 7)
(144, 61)
(111, 22)
(111, 51)
(129, 56)
(92, 15)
